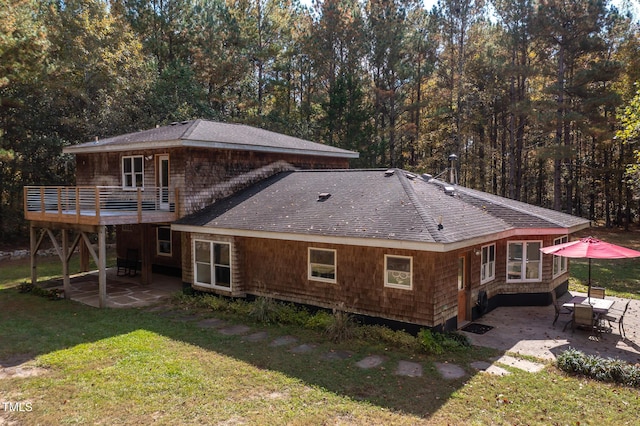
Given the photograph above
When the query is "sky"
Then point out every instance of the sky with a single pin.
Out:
(634, 4)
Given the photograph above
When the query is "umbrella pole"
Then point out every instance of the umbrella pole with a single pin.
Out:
(589, 282)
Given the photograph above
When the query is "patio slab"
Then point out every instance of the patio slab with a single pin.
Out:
(122, 292)
(528, 330)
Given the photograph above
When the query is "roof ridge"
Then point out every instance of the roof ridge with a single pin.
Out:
(428, 221)
(192, 126)
(476, 194)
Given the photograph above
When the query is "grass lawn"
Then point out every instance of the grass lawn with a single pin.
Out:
(140, 366)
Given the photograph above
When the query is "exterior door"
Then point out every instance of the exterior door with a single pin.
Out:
(163, 182)
(462, 289)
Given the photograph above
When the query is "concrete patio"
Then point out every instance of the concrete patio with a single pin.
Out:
(528, 330)
(122, 291)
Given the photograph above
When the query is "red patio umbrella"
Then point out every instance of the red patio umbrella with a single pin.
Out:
(590, 248)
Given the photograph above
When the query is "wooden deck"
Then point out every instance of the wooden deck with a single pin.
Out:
(99, 205)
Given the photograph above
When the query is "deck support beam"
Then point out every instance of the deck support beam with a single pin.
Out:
(66, 280)
(145, 266)
(33, 248)
(102, 266)
(65, 251)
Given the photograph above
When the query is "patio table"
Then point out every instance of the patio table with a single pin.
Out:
(600, 306)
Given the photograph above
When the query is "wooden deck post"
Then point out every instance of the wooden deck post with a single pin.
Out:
(145, 255)
(66, 281)
(102, 266)
(32, 254)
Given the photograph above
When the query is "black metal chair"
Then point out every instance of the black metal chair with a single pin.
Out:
(128, 265)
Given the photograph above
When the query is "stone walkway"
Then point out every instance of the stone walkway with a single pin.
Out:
(405, 368)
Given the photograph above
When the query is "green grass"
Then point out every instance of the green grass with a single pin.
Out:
(137, 366)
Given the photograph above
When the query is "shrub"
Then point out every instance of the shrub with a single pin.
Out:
(573, 361)
(264, 310)
(429, 342)
(25, 287)
(437, 343)
(397, 338)
(239, 307)
(341, 327)
(321, 321)
(289, 313)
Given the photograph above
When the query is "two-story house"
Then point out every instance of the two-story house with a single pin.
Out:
(241, 211)
(141, 182)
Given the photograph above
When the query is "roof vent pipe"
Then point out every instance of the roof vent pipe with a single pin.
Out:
(453, 172)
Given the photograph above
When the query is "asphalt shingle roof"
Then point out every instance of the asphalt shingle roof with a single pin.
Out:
(369, 204)
(211, 134)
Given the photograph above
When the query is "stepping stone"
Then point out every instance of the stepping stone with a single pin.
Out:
(211, 323)
(302, 349)
(336, 355)
(234, 330)
(256, 337)
(408, 368)
(489, 368)
(522, 364)
(283, 341)
(480, 365)
(497, 371)
(370, 361)
(450, 371)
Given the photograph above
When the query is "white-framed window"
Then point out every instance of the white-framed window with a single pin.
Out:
(524, 261)
(163, 239)
(487, 263)
(212, 264)
(560, 265)
(133, 172)
(398, 271)
(322, 265)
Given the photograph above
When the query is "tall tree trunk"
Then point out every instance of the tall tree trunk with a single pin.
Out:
(557, 160)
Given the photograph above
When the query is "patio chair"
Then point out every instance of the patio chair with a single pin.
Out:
(583, 318)
(619, 320)
(559, 309)
(597, 292)
(129, 265)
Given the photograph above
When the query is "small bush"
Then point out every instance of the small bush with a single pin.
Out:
(437, 343)
(320, 321)
(453, 341)
(291, 314)
(239, 307)
(429, 342)
(51, 294)
(25, 287)
(397, 338)
(573, 361)
(264, 310)
(342, 327)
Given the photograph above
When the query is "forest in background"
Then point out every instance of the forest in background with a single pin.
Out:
(537, 98)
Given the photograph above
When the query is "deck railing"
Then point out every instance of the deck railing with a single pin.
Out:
(98, 204)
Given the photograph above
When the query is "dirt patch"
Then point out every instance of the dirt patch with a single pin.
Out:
(21, 371)
(19, 366)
